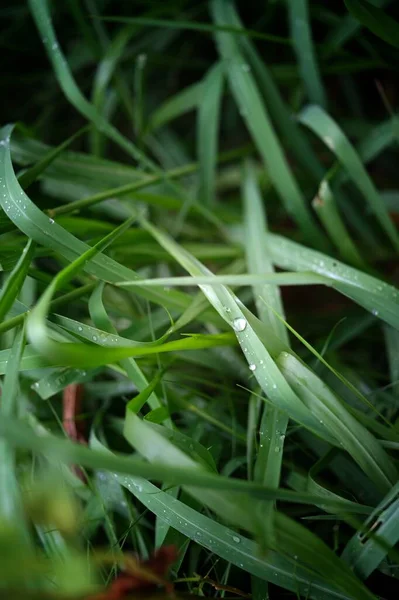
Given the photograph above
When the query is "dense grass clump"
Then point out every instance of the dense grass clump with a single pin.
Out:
(199, 312)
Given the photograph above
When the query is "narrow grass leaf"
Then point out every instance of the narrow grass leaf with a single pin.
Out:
(175, 106)
(42, 17)
(45, 231)
(280, 112)
(376, 20)
(253, 111)
(298, 11)
(334, 138)
(346, 430)
(208, 125)
(376, 296)
(15, 281)
(368, 547)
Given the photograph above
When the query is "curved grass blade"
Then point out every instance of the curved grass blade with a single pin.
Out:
(376, 296)
(196, 26)
(179, 104)
(209, 105)
(326, 128)
(155, 447)
(100, 317)
(16, 279)
(253, 111)
(29, 176)
(365, 551)
(42, 18)
(11, 506)
(376, 20)
(298, 11)
(45, 231)
(21, 435)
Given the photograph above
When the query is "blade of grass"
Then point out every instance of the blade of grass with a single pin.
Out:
(253, 111)
(42, 18)
(208, 124)
(298, 12)
(280, 112)
(326, 209)
(326, 128)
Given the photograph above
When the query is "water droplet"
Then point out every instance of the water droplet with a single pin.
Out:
(252, 367)
(94, 338)
(274, 386)
(276, 449)
(375, 312)
(227, 309)
(236, 539)
(239, 324)
(51, 221)
(80, 328)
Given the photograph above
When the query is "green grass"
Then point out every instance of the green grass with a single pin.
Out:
(198, 225)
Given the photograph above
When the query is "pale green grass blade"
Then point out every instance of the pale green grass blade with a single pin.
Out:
(392, 347)
(267, 279)
(21, 435)
(375, 19)
(29, 176)
(11, 504)
(246, 327)
(335, 139)
(152, 445)
(179, 104)
(348, 432)
(15, 281)
(376, 296)
(133, 371)
(253, 111)
(326, 208)
(363, 552)
(208, 125)
(198, 26)
(42, 17)
(298, 11)
(280, 112)
(257, 253)
(223, 542)
(274, 422)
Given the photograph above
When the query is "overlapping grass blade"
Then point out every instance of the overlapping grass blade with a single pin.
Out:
(43, 230)
(375, 295)
(274, 422)
(280, 112)
(253, 111)
(42, 17)
(16, 279)
(376, 20)
(326, 208)
(208, 124)
(298, 11)
(326, 128)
